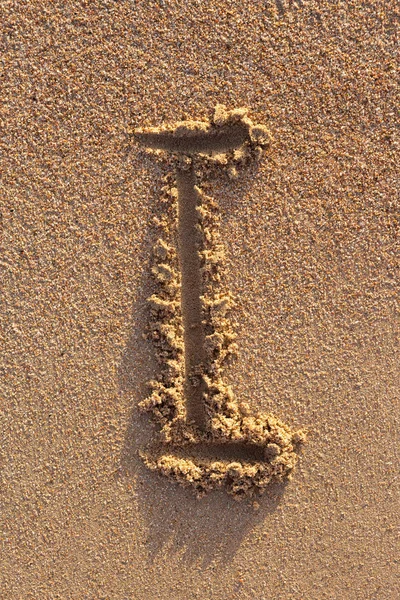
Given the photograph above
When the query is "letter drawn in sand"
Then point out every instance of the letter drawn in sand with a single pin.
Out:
(207, 438)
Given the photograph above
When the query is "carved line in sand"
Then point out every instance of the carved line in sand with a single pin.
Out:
(200, 417)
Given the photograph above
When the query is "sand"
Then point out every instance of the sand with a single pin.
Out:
(310, 238)
(190, 322)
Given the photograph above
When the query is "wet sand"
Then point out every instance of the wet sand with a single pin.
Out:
(311, 244)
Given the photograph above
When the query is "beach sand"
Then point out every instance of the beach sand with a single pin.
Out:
(311, 251)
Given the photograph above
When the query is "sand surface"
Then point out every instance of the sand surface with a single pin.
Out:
(311, 242)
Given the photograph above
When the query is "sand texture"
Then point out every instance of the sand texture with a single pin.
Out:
(285, 318)
(190, 325)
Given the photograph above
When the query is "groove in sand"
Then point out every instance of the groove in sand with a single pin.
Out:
(188, 141)
(209, 451)
(189, 243)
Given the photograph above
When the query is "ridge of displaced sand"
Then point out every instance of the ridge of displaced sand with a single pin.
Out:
(227, 420)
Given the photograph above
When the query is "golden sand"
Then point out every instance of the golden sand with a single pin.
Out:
(190, 323)
(310, 237)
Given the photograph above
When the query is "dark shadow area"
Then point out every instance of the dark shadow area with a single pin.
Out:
(138, 364)
(199, 531)
(189, 242)
(220, 139)
(280, 8)
(228, 451)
